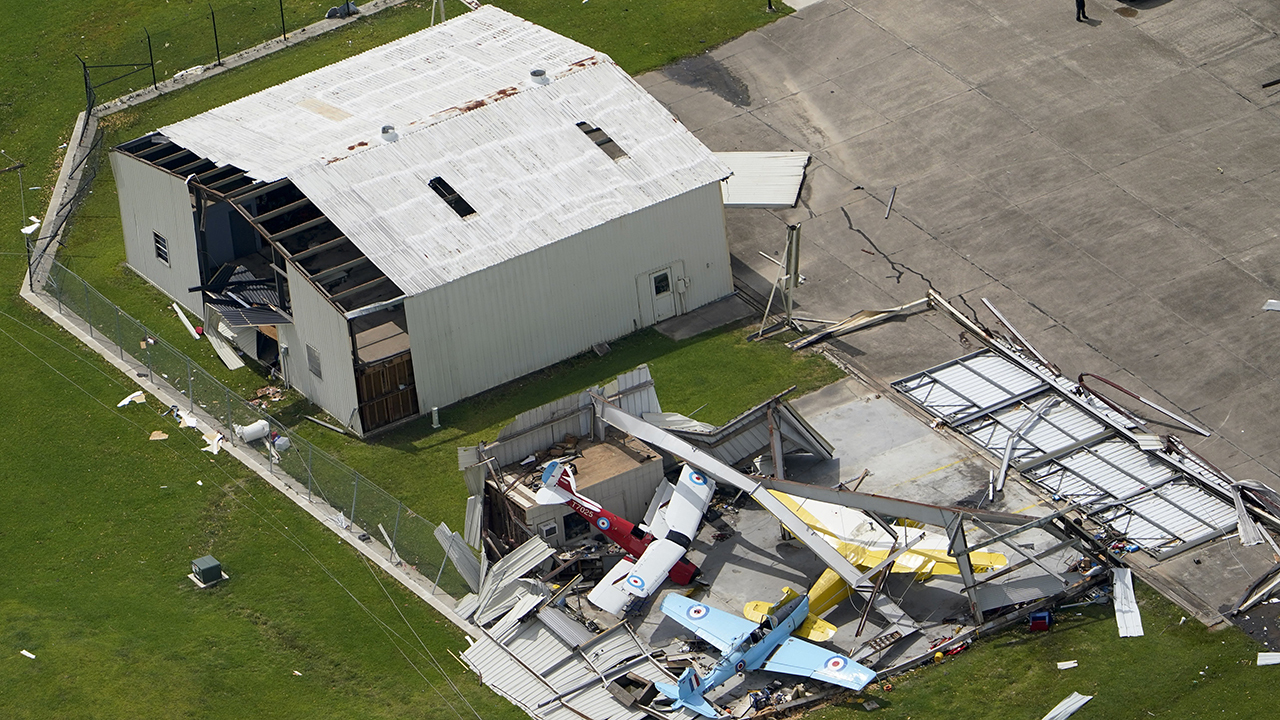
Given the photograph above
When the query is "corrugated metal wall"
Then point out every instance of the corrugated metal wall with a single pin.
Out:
(152, 200)
(540, 308)
(318, 324)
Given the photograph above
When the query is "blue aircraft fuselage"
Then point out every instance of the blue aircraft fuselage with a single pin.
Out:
(752, 649)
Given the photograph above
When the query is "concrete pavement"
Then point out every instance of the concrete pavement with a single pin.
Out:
(1111, 187)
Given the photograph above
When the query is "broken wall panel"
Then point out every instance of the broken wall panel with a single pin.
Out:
(1076, 450)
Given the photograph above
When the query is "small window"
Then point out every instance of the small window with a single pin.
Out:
(162, 247)
(313, 362)
(451, 197)
(548, 530)
(602, 141)
(661, 284)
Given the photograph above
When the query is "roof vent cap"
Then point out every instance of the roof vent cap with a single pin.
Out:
(539, 76)
(389, 133)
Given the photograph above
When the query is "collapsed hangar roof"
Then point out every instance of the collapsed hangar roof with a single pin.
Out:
(466, 109)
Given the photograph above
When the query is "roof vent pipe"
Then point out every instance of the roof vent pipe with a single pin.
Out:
(389, 133)
(539, 76)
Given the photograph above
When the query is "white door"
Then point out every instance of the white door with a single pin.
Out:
(662, 285)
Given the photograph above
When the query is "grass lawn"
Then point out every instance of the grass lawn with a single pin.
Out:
(101, 525)
(1176, 670)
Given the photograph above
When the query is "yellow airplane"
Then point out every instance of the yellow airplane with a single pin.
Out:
(865, 544)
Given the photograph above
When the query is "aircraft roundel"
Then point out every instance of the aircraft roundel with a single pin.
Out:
(602, 523)
(835, 664)
(741, 666)
(697, 479)
(635, 581)
(696, 612)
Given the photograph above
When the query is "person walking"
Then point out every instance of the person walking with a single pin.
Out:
(1080, 16)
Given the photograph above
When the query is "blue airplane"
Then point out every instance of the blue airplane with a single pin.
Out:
(744, 646)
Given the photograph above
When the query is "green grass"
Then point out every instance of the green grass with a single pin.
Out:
(95, 549)
(1014, 674)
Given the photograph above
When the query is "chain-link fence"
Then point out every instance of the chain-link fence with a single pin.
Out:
(355, 497)
(197, 36)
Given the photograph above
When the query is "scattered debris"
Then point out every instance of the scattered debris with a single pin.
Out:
(1271, 305)
(33, 657)
(185, 322)
(214, 440)
(1067, 708)
(1264, 658)
(35, 225)
(295, 672)
(159, 435)
(226, 353)
(1128, 618)
(138, 397)
(1067, 665)
(857, 321)
(324, 424)
(1259, 590)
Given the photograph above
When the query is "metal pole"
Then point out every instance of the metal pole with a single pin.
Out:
(444, 560)
(151, 374)
(58, 286)
(310, 449)
(227, 394)
(119, 340)
(191, 398)
(283, 35)
(217, 50)
(396, 529)
(88, 312)
(151, 56)
(355, 485)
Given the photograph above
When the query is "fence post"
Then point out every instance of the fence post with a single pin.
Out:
(217, 50)
(191, 398)
(354, 487)
(58, 287)
(396, 529)
(88, 311)
(152, 58)
(119, 338)
(151, 373)
(283, 34)
(227, 394)
(310, 449)
(443, 560)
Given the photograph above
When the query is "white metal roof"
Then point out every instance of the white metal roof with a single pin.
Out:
(763, 179)
(465, 109)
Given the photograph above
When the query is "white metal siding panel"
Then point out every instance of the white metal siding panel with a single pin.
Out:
(318, 324)
(152, 200)
(542, 307)
(763, 179)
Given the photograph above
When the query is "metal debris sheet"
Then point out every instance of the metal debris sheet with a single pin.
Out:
(1128, 619)
(763, 179)
(1078, 450)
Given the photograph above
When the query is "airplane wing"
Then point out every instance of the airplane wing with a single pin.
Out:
(652, 566)
(655, 522)
(608, 594)
(797, 657)
(721, 629)
(689, 501)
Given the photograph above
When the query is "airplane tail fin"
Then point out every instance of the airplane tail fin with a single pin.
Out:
(558, 485)
(687, 692)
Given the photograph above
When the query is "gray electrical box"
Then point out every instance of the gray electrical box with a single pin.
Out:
(206, 570)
